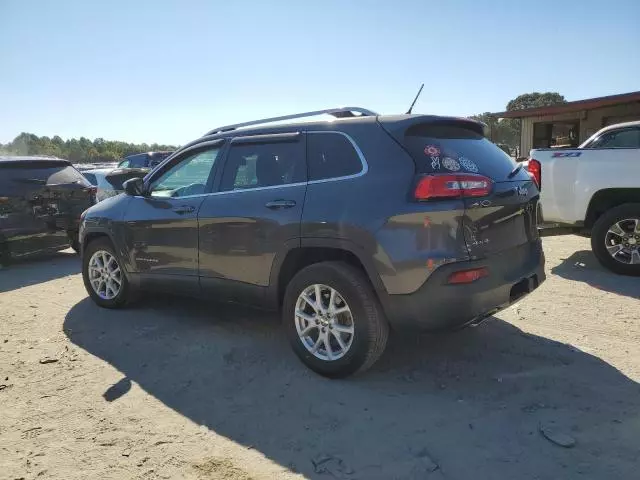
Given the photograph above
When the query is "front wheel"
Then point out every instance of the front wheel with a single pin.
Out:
(104, 277)
(615, 239)
(333, 319)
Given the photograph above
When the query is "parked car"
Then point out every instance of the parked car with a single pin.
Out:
(594, 190)
(147, 160)
(41, 200)
(348, 227)
(108, 181)
(98, 178)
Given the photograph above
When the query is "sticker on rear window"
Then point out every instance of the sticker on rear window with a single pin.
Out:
(468, 164)
(450, 164)
(435, 163)
(432, 151)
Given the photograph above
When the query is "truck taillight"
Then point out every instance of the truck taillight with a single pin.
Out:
(452, 186)
(535, 170)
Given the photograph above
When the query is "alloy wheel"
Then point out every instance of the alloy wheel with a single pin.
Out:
(105, 275)
(622, 241)
(324, 322)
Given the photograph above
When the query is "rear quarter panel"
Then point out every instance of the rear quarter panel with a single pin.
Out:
(570, 178)
(406, 240)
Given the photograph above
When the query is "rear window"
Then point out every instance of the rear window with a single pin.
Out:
(33, 175)
(331, 155)
(454, 149)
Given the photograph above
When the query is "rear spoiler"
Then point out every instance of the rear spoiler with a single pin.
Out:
(397, 125)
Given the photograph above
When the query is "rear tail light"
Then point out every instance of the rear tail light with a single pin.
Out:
(92, 191)
(535, 170)
(468, 276)
(452, 186)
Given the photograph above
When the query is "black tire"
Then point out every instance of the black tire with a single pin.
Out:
(371, 329)
(599, 232)
(126, 293)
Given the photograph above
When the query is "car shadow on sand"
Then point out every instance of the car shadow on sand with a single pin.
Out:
(583, 266)
(23, 273)
(469, 404)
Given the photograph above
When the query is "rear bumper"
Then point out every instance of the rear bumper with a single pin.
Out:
(437, 305)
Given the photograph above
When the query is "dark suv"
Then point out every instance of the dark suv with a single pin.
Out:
(41, 200)
(350, 227)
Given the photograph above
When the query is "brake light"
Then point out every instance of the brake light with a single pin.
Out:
(92, 191)
(452, 186)
(468, 276)
(535, 170)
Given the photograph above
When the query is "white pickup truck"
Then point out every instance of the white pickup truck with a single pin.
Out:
(594, 190)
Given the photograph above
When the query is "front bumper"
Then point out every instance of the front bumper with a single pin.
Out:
(437, 305)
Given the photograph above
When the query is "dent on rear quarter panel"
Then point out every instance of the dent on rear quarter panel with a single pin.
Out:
(414, 244)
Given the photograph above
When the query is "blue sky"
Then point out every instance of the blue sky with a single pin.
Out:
(166, 71)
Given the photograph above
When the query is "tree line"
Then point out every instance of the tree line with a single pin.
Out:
(80, 150)
(504, 131)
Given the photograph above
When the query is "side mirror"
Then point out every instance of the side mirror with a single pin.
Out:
(134, 187)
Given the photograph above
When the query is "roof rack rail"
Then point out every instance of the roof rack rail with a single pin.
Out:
(340, 112)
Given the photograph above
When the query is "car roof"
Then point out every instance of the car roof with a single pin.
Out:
(397, 121)
(620, 125)
(33, 158)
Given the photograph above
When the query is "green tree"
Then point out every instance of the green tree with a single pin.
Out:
(507, 130)
(535, 99)
(77, 150)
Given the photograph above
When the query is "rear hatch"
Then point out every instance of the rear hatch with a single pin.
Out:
(503, 216)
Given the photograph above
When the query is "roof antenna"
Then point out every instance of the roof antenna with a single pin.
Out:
(415, 99)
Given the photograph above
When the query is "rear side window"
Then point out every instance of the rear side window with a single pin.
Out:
(443, 148)
(627, 138)
(255, 165)
(91, 177)
(331, 155)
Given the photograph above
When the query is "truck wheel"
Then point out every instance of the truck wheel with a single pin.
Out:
(104, 277)
(615, 239)
(333, 319)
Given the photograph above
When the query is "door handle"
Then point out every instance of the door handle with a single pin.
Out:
(184, 209)
(279, 204)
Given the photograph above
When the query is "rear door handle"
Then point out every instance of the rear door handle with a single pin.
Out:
(280, 204)
(184, 209)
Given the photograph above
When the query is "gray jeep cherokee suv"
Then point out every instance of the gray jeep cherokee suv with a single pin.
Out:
(349, 227)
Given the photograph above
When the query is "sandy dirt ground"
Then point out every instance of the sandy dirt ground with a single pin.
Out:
(173, 388)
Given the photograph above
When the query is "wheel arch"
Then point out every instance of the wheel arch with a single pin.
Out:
(311, 251)
(608, 198)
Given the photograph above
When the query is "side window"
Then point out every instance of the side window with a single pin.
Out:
(255, 165)
(91, 177)
(331, 155)
(124, 164)
(627, 138)
(189, 177)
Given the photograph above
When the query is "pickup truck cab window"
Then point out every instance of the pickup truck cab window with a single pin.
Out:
(624, 138)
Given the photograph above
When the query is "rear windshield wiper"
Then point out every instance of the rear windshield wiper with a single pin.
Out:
(515, 171)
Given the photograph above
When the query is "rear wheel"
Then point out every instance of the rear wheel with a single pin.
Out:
(103, 275)
(333, 319)
(615, 239)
